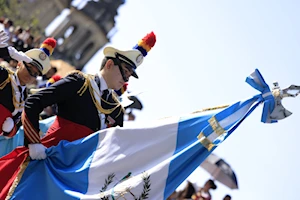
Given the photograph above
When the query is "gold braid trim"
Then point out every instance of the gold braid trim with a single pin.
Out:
(4, 83)
(218, 129)
(98, 104)
(115, 98)
(84, 86)
(211, 108)
(18, 178)
(203, 110)
(9, 70)
(87, 85)
(75, 72)
(122, 109)
(205, 142)
(16, 103)
(110, 103)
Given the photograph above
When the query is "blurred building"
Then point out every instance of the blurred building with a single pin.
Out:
(83, 32)
(45, 10)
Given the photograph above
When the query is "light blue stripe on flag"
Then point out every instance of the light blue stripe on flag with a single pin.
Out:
(51, 177)
(189, 152)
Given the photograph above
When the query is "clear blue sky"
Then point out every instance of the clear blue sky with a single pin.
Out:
(205, 49)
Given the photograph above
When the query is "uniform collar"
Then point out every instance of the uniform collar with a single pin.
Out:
(103, 84)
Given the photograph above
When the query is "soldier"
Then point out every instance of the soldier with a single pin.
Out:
(13, 92)
(85, 102)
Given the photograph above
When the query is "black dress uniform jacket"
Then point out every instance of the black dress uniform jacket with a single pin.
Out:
(71, 105)
(6, 92)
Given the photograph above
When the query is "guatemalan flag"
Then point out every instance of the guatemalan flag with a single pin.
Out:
(145, 161)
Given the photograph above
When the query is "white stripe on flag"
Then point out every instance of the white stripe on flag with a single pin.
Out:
(158, 148)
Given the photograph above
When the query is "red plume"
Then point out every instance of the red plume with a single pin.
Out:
(150, 39)
(51, 42)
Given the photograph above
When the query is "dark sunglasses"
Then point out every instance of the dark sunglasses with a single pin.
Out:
(31, 73)
(118, 62)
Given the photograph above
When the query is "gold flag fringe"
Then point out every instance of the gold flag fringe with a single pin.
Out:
(18, 178)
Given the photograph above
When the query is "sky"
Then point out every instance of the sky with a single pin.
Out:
(205, 50)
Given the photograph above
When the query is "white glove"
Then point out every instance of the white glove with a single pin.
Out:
(18, 55)
(37, 151)
(8, 125)
(13, 53)
(3, 39)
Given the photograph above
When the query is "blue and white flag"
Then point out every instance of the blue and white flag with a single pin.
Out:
(7, 145)
(146, 161)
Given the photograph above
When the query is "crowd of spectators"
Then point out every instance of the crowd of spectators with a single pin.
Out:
(191, 193)
(19, 37)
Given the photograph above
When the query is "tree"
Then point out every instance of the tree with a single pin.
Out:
(14, 10)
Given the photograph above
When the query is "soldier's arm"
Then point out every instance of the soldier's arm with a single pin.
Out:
(62, 90)
(4, 112)
(9, 51)
(4, 53)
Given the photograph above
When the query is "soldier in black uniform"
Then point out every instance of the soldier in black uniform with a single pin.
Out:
(85, 102)
(13, 86)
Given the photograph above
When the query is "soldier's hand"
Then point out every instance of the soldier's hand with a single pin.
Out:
(37, 151)
(18, 55)
(3, 39)
(8, 125)
(13, 53)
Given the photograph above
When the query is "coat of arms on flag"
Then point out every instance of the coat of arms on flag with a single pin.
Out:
(120, 189)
